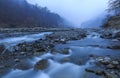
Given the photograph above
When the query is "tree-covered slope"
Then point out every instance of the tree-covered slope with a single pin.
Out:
(19, 13)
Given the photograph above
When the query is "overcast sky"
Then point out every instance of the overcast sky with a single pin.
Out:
(76, 11)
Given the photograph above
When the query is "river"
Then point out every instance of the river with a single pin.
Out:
(78, 50)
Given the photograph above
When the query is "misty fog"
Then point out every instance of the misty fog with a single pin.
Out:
(75, 11)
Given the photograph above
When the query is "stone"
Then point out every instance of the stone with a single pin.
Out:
(106, 61)
(117, 35)
(65, 51)
(99, 59)
(100, 72)
(17, 60)
(2, 48)
(22, 53)
(110, 75)
(41, 65)
(91, 55)
(114, 47)
(2, 66)
(110, 66)
(115, 62)
(89, 70)
(24, 65)
(66, 59)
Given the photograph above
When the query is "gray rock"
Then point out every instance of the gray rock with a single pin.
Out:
(66, 59)
(89, 70)
(115, 62)
(17, 60)
(41, 65)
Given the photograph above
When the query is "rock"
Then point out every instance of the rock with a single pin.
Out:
(23, 53)
(106, 61)
(2, 66)
(80, 62)
(114, 47)
(7, 65)
(115, 62)
(40, 50)
(110, 75)
(117, 35)
(110, 66)
(65, 51)
(24, 65)
(99, 59)
(92, 55)
(89, 70)
(115, 40)
(107, 35)
(41, 65)
(2, 48)
(17, 60)
(100, 72)
(66, 59)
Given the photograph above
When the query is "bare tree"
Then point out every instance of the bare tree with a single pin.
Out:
(114, 5)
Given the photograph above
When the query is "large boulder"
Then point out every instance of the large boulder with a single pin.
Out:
(41, 65)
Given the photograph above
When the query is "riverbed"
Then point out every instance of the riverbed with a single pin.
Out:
(82, 54)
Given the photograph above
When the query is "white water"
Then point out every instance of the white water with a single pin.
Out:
(55, 69)
(26, 38)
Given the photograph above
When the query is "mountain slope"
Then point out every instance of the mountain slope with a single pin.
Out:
(19, 13)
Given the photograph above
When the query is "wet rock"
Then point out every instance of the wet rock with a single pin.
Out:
(24, 65)
(106, 61)
(110, 66)
(114, 47)
(2, 48)
(66, 59)
(100, 72)
(115, 62)
(2, 66)
(65, 51)
(41, 65)
(23, 53)
(107, 35)
(17, 60)
(53, 51)
(89, 70)
(40, 50)
(91, 55)
(8, 65)
(117, 35)
(110, 75)
(80, 62)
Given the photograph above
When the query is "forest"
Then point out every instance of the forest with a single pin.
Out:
(19, 13)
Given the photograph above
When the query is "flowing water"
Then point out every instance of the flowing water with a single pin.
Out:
(79, 50)
(26, 38)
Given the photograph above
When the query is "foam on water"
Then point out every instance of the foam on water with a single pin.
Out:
(26, 38)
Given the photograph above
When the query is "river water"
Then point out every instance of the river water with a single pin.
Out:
(78, 50)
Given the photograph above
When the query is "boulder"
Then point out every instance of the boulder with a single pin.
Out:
(41, 65)
(117, 35)
(65, 51)
(24, 65)
(66, 59)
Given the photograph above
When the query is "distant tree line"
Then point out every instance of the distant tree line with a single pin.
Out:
(114, 5)
(19, 13)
